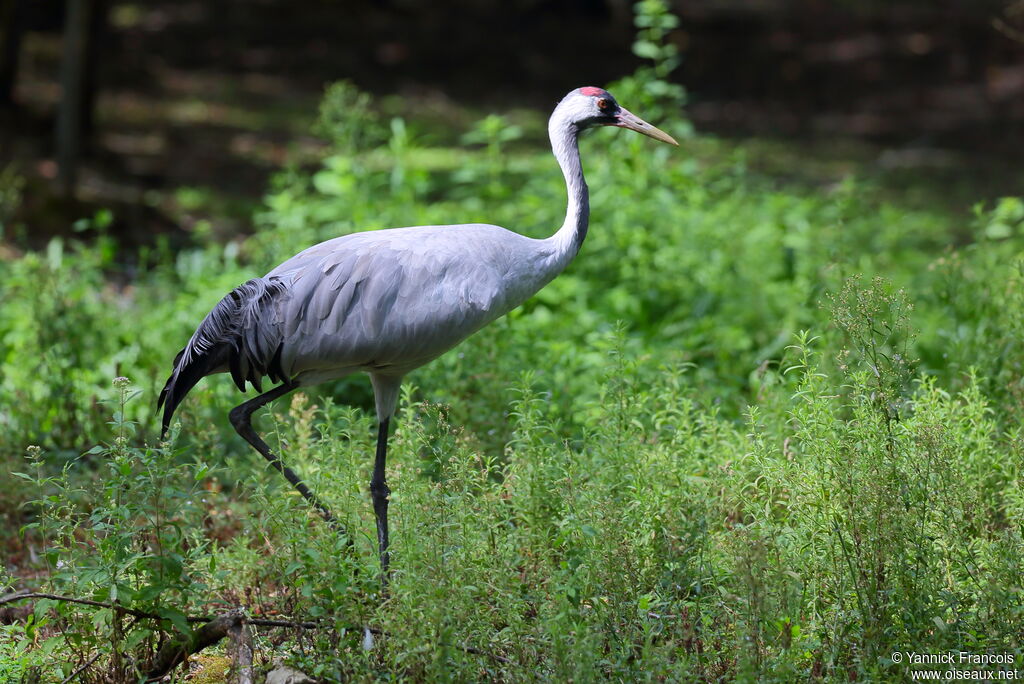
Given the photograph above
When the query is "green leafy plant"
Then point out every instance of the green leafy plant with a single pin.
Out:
(131, 542)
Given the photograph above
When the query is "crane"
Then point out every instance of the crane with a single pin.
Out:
(386, 302)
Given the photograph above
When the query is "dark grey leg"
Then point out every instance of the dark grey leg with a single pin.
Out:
(241, 418)
(380, 492)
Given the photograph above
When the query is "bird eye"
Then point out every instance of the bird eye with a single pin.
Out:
(603, 104)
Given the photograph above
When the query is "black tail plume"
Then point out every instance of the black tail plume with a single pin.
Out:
(233, 337)
(182, 380)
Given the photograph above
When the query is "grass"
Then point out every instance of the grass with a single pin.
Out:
(769, 431)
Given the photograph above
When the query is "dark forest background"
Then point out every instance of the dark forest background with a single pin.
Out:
(213, 94)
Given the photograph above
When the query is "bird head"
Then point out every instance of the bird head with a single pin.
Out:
(589, 106)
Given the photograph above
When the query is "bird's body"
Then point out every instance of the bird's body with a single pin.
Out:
(388, 301)
(385, 302)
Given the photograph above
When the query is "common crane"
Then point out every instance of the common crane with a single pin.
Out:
(386, 302)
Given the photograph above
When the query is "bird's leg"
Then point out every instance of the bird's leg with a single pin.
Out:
(241, 418)
(380, 492)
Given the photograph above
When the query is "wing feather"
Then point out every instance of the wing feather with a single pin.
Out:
(235, 336)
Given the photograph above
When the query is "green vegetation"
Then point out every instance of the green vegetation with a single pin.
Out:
(768, 431)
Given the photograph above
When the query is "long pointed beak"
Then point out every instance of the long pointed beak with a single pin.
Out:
(627, 119)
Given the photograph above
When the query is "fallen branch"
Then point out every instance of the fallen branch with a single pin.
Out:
(215, 627)
(11, 598)
(81, 668)
(259, 622)
(176, 650)
(309, 624)
(240, 635)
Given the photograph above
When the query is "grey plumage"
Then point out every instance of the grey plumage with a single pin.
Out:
(388, 301)
(383, 302)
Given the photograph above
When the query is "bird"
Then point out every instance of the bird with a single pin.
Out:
(386, 302)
